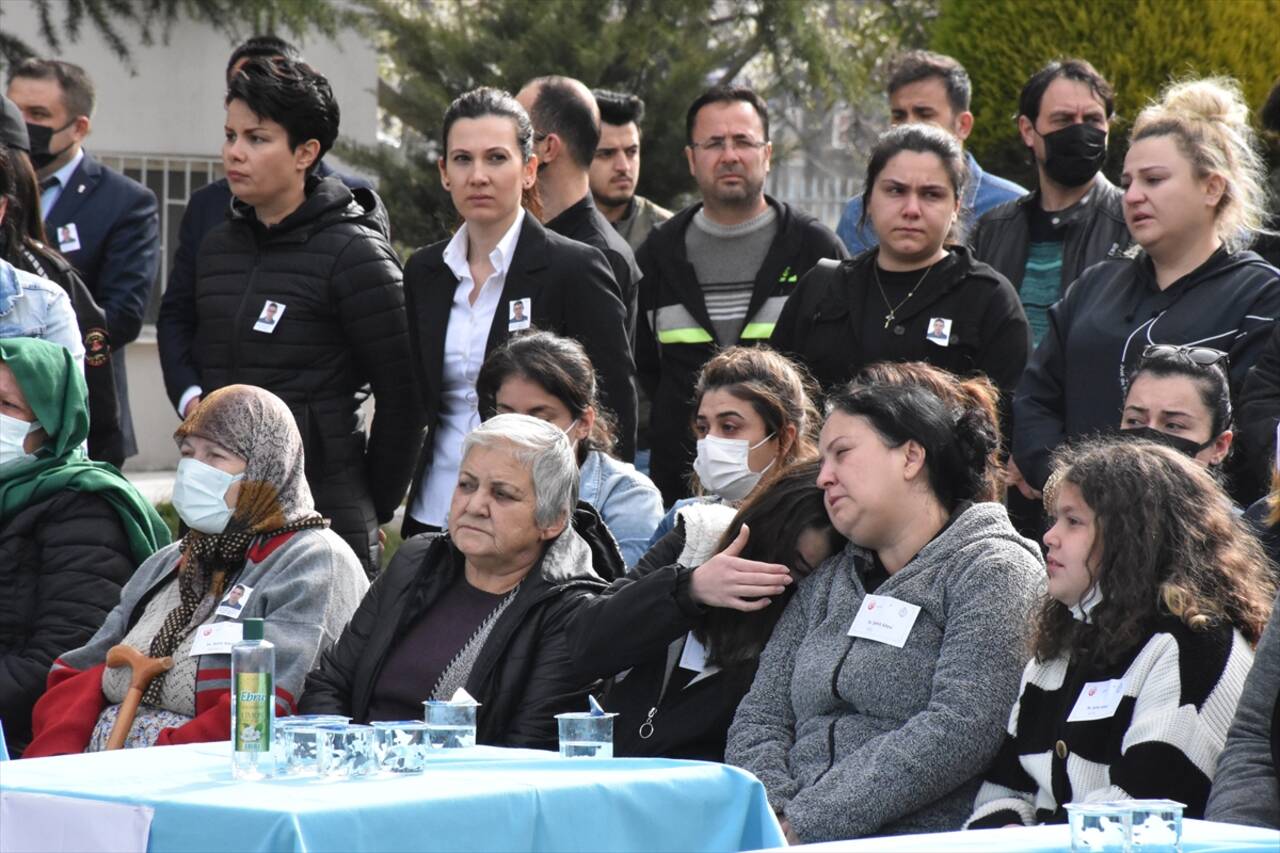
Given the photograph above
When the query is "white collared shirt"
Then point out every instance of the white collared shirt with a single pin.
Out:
(464, 345)
(49, 197)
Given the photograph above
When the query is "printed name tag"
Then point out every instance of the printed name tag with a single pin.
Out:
(1098, 700)
(217, 638)
(694, 656)
(884, 619)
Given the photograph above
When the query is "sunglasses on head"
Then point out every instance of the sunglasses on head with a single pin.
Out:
(1203, 356)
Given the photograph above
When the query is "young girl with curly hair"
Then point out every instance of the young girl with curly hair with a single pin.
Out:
(1156, 596)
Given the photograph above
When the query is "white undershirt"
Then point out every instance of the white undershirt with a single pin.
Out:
(464, 345)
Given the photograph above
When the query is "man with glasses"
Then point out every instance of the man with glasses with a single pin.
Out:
(717, 273)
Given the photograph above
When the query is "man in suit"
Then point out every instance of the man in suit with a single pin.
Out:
(206, 209)
(566, 131)
(106, 225)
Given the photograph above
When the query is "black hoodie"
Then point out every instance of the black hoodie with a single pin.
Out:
(340, 329)
(1073, 385)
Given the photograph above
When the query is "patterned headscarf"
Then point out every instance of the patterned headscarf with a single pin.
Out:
(274, 498)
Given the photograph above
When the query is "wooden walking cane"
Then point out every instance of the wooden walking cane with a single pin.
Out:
(143, 669)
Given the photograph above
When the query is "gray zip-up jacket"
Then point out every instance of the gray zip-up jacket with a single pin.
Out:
(854, 737)
(1246, 788)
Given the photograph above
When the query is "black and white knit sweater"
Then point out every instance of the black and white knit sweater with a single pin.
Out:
(1179, 696)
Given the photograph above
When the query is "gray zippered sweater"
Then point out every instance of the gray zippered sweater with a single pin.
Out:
(853, 737)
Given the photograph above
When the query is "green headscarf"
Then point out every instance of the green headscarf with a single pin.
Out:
(54, 387)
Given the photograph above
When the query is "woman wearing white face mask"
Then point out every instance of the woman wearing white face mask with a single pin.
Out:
(241, 489)
(755, 416)
(551, 378)
(71, 530)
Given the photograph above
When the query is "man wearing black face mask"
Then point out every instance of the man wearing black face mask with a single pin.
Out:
(1074, 219)
(104, 223)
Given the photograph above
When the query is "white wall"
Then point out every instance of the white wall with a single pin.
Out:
(173, 103)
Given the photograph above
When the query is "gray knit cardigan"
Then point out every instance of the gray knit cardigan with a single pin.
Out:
(853, 737)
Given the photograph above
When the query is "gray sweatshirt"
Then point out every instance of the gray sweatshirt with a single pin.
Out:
(1246, 788)
(855, 737)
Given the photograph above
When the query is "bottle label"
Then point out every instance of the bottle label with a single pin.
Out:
(254, 700)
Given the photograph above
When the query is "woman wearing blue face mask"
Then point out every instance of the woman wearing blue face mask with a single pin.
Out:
(71, 530)
(241, 490)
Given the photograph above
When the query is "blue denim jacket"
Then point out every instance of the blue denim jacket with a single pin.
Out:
(33, 307)
(627, 500)
(982, 193)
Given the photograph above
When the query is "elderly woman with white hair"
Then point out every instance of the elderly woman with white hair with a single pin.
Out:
(484, 605)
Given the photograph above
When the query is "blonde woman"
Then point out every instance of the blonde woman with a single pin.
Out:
(1193, 200)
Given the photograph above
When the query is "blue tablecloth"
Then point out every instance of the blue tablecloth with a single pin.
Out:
(1198, 836)
(479, 799)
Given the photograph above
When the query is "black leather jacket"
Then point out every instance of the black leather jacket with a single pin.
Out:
(1094, 225)
(522, 676)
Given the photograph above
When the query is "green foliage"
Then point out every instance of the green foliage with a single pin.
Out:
(1139, 45)
(63, 21)
(666, 51)
(170, 516)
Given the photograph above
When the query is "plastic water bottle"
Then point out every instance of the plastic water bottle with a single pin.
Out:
(253, 674)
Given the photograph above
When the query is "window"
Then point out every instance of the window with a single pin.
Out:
(173, 180)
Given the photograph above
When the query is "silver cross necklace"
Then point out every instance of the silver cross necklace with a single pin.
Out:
(894, 309)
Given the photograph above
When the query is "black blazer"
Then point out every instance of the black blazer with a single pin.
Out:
(573, 294)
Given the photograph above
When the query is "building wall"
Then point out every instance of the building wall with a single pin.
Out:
(161, 124)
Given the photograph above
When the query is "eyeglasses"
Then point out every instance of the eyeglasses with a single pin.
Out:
(718, 144)
(1203, 356)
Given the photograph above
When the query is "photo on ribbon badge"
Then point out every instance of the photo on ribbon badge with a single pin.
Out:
(519, 314)
(270, 317)
(939, 331)
(235, 600)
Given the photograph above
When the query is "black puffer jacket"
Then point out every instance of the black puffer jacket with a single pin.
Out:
(62, 564)
(341, 329)
(522, 676)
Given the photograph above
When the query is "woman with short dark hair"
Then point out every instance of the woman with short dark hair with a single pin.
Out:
(299, 292)
(884, 687)
(500, 274)
(920, 295)
(551, 378)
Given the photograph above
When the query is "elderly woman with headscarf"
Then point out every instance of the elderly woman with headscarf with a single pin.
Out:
(240, 488)
(71, 531)
(485, 605)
